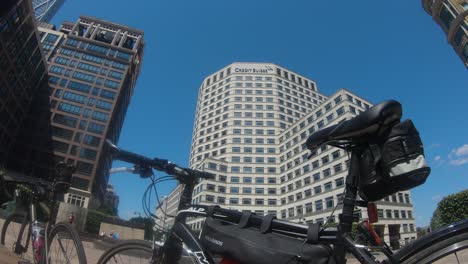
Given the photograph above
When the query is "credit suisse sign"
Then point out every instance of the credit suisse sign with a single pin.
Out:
(253, 68)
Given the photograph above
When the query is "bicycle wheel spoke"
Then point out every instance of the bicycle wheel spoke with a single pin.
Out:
(63, 247)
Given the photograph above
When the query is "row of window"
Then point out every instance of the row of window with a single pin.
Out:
(78, 110)
(82, 124)
(82, 152)
(92, 58)
(245, 190)
(389, 214)
(86, 139)
(84, 88)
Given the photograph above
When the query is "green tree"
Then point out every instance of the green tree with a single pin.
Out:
(93, 221)
(450, 210)
(148, 225)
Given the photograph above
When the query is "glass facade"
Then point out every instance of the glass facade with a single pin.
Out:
(25, 135)
(44, 10)
(90, 87)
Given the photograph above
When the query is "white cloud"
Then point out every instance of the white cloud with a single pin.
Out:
(461, 151)
(459, 156)
(459, 162)
(437, 158)
(437, 198)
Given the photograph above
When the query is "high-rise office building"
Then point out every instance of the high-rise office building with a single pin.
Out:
(44, 10)
(452, 17)
(93, 67)
(25, 134)
(251, 124)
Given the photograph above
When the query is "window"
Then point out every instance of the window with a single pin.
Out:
(233, 200)
(76, 200)
(79, 87)
(246, 190)
(84, 167)
(316, 176)
(74, 97)
(69, 108)
(339, 182)
(100, 116)
(116, 75)
(91, 140)
(107, 94)
(88, 153)
(246, 201)
(61, 60)
(259, 180)
(338, 168)
(234, 189)
(56, 69)
(62, 133)
(318, 205)
(65, 120)
(98, 49)
(118, 65)
(329, 202)
(103, 105)
(92, 58)
(111, 84)
(96, 128)
(328, 186)
(84, 77)
(235, 179)
(88, 67)
(318, 189)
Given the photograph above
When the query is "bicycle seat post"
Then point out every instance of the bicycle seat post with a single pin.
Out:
(346, 218)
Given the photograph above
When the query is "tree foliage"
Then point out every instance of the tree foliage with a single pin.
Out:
(451, 209)
(93, 221)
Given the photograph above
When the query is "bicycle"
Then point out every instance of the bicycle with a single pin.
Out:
(31, 240)
(351, 135)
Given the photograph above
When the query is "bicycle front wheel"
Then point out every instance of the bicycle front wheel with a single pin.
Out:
(131, 251)
(13, 226)
(64, 246)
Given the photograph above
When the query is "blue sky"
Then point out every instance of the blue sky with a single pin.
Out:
(378, 50)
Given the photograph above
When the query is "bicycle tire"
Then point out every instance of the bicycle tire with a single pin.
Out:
(64, 233)
(114, 254)
(441, 250)
(7, 225)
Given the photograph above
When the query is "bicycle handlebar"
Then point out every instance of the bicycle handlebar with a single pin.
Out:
(158, 164)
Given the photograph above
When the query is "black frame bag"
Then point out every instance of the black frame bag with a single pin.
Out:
(393, 163)
(250, 245)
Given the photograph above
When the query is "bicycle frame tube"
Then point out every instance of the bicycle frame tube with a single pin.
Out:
(181, 232)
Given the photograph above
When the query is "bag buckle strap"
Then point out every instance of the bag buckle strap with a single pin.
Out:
(313, 233)
(266, 223)
(211, 209)
(244, 219)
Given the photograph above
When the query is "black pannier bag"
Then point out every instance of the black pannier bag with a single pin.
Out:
(249, 245)
(394, 163)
